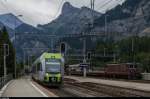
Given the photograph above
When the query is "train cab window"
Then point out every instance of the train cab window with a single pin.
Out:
(39, 67)
(131, 66)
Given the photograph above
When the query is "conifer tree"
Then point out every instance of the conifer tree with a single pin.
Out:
(4, 39)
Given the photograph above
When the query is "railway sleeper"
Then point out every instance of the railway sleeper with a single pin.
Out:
(90, 88)
(118, 91)
(112, 90)
(87, 91)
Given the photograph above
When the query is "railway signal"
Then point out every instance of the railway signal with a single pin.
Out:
(89, 55)
(63, 48)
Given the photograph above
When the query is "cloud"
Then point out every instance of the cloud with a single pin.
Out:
(43, 11)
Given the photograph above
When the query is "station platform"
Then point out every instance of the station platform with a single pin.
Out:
(23, 87)
(124, 84)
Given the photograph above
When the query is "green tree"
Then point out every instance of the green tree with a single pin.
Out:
(132, 49)
(4, 39)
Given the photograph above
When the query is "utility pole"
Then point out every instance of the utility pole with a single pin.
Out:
(106, 34)
(15, 46)
(84, 49)
(92, 13)
(5, 71)
(114, 55)
(105, 39)
(27, 69)
(92, 4)
(6, 49)
(52, 43)
(105, 26)
(133, 52)
(30, 58)
(104, 52)
(84, 52)
(24, 62)
(84, 39)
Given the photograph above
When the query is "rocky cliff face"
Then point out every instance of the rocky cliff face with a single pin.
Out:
(72, 20)
(131, 18)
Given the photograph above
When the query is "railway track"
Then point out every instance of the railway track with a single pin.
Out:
(68, 91)
(108, 90)
(85, 90)
(116, 79)
(73, 88)
(60, 92)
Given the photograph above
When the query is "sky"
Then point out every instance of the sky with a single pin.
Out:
(44, 11)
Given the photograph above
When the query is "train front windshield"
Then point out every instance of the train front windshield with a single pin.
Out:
(53, 68)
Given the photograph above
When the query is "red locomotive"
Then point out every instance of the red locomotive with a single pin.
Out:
(124, 70)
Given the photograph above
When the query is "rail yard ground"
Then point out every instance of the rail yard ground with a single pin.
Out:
(77, 87)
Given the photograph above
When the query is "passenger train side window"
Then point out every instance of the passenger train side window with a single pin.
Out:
(39, 67)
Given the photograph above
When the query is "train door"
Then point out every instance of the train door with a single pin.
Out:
(42, 70)
(62, 67)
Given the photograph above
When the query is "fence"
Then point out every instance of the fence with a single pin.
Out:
(5, 80)
(146, 76)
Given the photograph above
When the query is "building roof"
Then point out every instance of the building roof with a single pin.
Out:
(51, 55)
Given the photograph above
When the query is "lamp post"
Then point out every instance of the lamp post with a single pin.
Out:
(105, 39)
(15, 42)
(24, 62)
(106, 27)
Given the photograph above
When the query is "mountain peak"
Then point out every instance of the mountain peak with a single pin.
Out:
(67, 7)
(10, 20)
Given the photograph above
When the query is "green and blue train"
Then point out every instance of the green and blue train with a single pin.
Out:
(49, 69)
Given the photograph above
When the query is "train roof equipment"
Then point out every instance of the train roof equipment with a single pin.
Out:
(49, 56)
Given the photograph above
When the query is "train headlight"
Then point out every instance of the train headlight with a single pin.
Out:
(46, 74)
